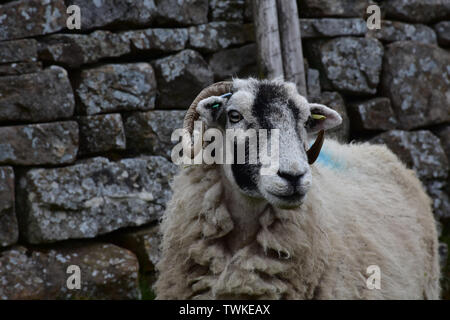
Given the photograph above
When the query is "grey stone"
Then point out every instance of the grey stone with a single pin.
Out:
(27, 18)
(352, 65)
(335, 101)
(39, 144)
(115, 13)
(313, 83)
(180, 78)
(101, 133)
(216, 36)
(332, 27)
(92, 197)
(417, 10)
(144, 243)
(398, 31)
(17, 68)
(117, 87)
(9, 230)
(373, 114)
(443, 33)
(332, 8)
(35, 97)
(227, 10)
(160, 40)
(439, 228)
(18, 50)
(443, 254)
(106, 272)
(419, 150)
(182, 12)
(440, 199)
(151, 131)
(75, 50)
(248, 11)
(444, 134)
(416, 78)
(233, 62)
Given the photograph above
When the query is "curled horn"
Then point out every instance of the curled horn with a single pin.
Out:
(216, 89)
(314, 151)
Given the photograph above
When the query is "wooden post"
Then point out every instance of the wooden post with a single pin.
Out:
(265, 18)
(291, 44)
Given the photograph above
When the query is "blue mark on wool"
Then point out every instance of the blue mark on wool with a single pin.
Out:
(327, 159)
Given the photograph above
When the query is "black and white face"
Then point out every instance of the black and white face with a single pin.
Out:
(269, 105)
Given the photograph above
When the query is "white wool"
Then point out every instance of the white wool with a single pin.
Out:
(364, 208)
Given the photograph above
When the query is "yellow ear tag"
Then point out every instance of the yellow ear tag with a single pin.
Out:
(318, 116)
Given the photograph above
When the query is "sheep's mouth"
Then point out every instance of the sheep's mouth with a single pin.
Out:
(293, 197)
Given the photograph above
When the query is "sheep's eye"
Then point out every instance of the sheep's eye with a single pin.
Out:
(234, 116)
(309, 123)
(313, 119)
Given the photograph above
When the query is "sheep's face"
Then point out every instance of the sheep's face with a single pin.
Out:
(269, 105)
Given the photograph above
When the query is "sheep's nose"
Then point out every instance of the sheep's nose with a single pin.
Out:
(291, 177)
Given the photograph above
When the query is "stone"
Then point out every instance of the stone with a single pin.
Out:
(332, 8)
(373, 114)
(39, 144)
(248, 30)
(419, 150)
(18, 50)
(440, 199)
(151, 131)
(28, 18)
(443, 33)
(248, 11)
(92, 197)
(332, 27)
(335, 101)
(418, 11)
(439, 228)
(444, 134)
(104, 13)
(227, 10)
(101, 133)
(9, 230)
(116, 87)
(144, 243)
(74, 50)
(313, 83)
(180, 78)
(16, 68)
(106, 272)
(351, 65)
(182, 12)
(229, 63)
(398, 31)
(416, 78)
(36, 97)
(159, 40)
(216, 36)
(443, 254)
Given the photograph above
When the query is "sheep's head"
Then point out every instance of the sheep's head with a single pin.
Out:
(255, 104)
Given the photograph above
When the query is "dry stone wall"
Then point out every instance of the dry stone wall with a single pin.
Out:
(86, 117)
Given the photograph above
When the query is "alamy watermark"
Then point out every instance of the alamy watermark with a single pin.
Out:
(74, 280)
(374, 279)
(374, 20)
(74, 19)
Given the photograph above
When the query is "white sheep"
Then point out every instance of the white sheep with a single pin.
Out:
(312, 231)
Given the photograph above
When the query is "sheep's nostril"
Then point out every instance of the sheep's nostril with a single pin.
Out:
(292, 178)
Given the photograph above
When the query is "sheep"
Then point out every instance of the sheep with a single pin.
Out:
(311, 231)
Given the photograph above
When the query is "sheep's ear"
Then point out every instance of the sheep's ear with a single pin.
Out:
(322, 118)
(211, 108)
